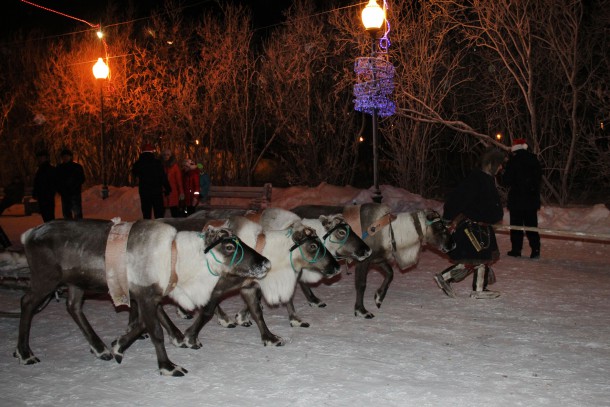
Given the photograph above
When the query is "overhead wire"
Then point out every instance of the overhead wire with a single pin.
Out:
(198, 3)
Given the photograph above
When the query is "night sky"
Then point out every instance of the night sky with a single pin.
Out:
(18, 15)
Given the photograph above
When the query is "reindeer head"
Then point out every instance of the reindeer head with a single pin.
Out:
(312, 255)
(437, 233)
(341, 241)
(226, 252)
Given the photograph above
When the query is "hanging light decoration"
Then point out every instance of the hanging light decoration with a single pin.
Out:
(375, 74)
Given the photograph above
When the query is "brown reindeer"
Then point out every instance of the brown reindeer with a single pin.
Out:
(158, 261)
(392, 238)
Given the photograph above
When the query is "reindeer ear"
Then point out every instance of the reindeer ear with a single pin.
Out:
(309, 232)
(297, 235)
(296, 224)
(325, 220)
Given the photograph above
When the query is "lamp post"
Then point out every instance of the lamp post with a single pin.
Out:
(101, 71)
(373, 17)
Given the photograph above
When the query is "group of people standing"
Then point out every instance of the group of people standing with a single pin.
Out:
(66, 179)
(164, 185)
(474, 206)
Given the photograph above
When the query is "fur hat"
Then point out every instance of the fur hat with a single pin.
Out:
(148, 148)
(519, 144)
(493, 158)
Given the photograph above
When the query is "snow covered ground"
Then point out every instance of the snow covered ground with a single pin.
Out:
(544, 342)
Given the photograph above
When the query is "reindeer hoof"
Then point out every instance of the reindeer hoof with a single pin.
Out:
(184, 314)
(317, 304)
(192, 343)
(103, 355)
(275, 341)
(226, 323)
(30, 360)
(174, 371)
(378, 300)
(117, 352)
(365, 314)
(240, 319)
(179, 343)
(298, 323)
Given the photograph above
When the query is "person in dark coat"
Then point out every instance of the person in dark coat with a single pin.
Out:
(523, 175)
(152, 183)
(45, 186)
(470, 210)
(13, 193)
(70, 179)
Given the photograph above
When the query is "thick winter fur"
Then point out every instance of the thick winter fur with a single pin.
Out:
(277, 287)
(72, 253)
(405, 252)
(342, 243)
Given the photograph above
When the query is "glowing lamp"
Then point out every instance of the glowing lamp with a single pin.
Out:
(100, 69)
(373, 16)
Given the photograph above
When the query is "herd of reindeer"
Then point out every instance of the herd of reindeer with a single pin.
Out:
(195, 262)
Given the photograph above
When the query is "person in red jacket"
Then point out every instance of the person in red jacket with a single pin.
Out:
(190, 181)
(174, 176)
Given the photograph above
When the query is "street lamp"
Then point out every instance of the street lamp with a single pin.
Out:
(373, 17)
(101, 71)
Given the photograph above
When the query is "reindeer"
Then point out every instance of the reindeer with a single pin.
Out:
(292, 251)
(338, 238)
(392, 237)
(154, 261)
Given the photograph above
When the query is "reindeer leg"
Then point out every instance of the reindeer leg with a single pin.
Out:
(29, 303)
(242, 318)
(312, 300)
(293, 317)
(362, 270)
(175, 336)
(148, 303)
(122, 343)
(202, 317)
(253, 295)
(223, 318)
(134, 323)
(206, 313)
(383, 289)
(75, 309)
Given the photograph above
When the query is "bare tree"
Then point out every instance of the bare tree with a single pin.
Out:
(307, 109)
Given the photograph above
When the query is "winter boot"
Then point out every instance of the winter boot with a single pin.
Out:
(484, 295)
(444, 285)
(514, 253)
(535, 254)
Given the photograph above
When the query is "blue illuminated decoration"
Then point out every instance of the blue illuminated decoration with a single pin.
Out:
(375, 79)
(374, 83)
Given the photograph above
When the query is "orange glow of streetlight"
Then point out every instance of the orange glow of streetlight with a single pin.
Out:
(499, 136)
(373, 16)
(100, 69)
